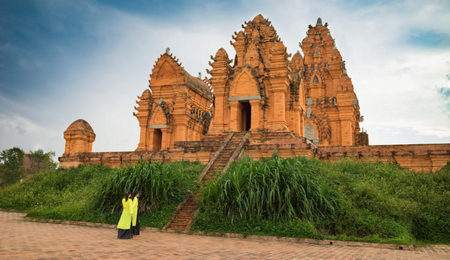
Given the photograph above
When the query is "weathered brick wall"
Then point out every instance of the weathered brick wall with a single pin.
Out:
(417, 157)
(201, 151)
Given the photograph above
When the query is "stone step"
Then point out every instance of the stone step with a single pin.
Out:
(221, 162)
(184, 216)
(177, 227)
(189, 205)
(181, 221)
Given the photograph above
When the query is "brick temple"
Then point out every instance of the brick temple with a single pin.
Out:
(262, 100)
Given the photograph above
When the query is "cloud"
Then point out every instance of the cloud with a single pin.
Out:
(100, 57)
(16, 130)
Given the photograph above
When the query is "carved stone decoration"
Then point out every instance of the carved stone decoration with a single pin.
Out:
(309, 131)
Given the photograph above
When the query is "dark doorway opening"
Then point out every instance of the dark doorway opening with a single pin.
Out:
(157, 139)
(246, 113)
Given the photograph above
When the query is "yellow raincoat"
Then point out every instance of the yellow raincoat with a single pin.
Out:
(125, 218)
(134, 210)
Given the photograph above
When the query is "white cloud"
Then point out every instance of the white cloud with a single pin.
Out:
(16, 130)
(396, 83)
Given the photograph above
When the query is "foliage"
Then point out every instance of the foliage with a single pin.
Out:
(12, 166)
(54, 188)
(40, 161)
(159, 184)
(76, 193)
(296, 197)
(209, 220)
(348, 200)
(273, 189)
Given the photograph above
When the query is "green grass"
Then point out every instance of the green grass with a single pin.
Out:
(296, 197)
(93, 193)
(346, 200)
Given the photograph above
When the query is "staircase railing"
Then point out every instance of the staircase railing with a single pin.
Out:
(214, 158)
(236, 152)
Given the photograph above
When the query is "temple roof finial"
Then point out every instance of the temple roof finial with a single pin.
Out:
(319, 22)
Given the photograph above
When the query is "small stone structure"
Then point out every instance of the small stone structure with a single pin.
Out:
(295, 105)
(79, 137)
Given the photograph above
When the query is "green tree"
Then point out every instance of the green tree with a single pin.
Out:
(12, 166)
(40, 161)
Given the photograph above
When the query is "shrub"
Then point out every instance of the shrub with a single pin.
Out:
(160, 185)
(76, 193)
(272, 188)
(345, 199)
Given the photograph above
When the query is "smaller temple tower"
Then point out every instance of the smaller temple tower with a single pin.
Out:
(176, 107)
(332, 108)
(79, 137)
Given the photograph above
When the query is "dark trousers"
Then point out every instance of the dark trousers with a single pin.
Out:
(136, 229)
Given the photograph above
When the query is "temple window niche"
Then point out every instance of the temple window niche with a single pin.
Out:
(308, 112)
(316, 53)
(310, 133)
(315, 79)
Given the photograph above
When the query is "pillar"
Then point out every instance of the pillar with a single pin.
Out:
(234, 116)
(256, 111)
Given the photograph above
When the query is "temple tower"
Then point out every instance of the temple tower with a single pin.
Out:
(79, 137)
(175, 108)
(258, 91)
(332, 109)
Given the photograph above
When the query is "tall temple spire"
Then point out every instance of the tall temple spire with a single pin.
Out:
(319, 22)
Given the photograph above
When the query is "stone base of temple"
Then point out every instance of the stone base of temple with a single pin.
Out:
(417, 157)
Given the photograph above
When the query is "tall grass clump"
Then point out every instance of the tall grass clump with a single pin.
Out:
(160, 185)
(269, 191)
(344, 199)
(271, 188)
(93, 193)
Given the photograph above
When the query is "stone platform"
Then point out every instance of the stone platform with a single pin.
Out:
(417, 157)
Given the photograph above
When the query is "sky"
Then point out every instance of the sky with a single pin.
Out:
(65, 60)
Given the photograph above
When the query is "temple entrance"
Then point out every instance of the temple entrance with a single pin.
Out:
(157, 139)
(246, 116)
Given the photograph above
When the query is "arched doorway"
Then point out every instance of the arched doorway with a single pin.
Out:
(246, 116)
(157, 139)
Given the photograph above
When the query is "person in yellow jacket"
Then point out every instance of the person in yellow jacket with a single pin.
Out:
(135, 227)
(124, 225)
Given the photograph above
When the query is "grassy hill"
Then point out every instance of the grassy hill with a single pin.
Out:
(343, 200)
(93, 193)
(296, 197)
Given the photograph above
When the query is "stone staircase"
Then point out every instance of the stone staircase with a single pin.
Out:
(229, 151)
